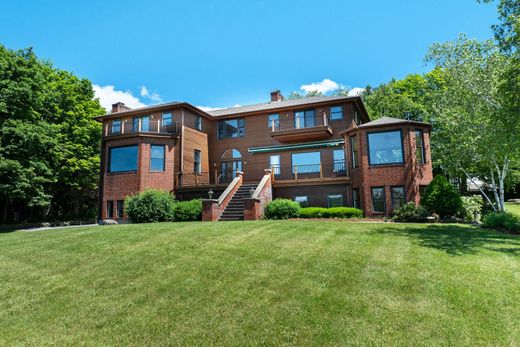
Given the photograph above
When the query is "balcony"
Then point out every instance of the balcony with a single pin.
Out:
(304, 128)
(127, 127)
(313, 173)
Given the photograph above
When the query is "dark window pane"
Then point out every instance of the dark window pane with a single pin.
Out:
(231, 128)
(110, 209)
(167, 118)
(398, 197)
(196, 162)
(120, 208)
(198, 123)
(123, 159)
(385, 148)
(419, 143)
(304, 119)
(302, 200)
(355, 198)
(378, 199)
(354, 149)
(335, 200)
(156, 158)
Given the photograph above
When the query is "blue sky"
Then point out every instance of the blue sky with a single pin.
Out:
(223, 53)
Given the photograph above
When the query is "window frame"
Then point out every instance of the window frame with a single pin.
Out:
(163, 157)
(302, 196)
(400, 131)
(356, 198)
(109, 157)
(110, 209)
(197, 164)
(112, 127)
(269, 121)
(120, 203)
(335, 195)
(357, 119)
(309, 172)
(331, 113)
(162, 119)
(278, 170)
(422, 152)
(198, 123)
(343, 160)
(392, 196)
(354, 153)
(372, 198)
(241, 128)
(304, 119)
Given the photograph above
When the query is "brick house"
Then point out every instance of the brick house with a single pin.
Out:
(319, 151)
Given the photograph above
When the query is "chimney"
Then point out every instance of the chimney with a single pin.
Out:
(276, 95)
(119, 107)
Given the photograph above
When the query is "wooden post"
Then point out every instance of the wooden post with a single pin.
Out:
(158, 126)
(106, 129)
(122, 127)
(324, 118)
(216, 176)
(139, 125)
(321, 171)
(272, 125)
(295, 172)
(297, 122)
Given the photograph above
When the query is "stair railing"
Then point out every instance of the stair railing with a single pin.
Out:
(263, 194)
(212, 209)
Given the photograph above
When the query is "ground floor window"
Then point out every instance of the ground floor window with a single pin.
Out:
(120, 208)
(302, 200)
(398, 197)
(110, 209)
(422, 190)
(355, 198)
(378, 199)
(197, 168)
(335, 200)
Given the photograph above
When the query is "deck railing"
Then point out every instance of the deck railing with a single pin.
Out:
(302, 122)
(310, 171)
(192, 179)
(113, 128)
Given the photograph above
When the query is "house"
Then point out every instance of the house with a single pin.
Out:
(318, 151)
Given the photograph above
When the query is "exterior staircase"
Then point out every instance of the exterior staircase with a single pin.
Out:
(235, 209)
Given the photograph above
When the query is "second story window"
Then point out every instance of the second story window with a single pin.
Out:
(156, 158)
(122, 159)
(167, 118)
(116, 126)
(198, 123)
(354, 151)
(308, 162)
(338, 157)
(419, 146)
(356, 118)
(273, 122)
(145, 123)
(336, 112)
(197, 168)
(231, 128)
(385, 148)
(304, 119)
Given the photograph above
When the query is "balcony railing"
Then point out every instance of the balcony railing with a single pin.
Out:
(135, 127)
(192, 179)
(311, 171)
(299, 123)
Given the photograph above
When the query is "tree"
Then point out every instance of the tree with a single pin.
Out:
(476, 127)
(507, 32)
(49, 140)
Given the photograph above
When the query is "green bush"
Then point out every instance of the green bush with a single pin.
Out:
(410, 213)
(282, 209)
(150, 206)
(185, 211)
(442, 198)
(471, 205)
(332, 212)
(502, 220)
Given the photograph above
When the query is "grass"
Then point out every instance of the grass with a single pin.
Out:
(513, 208)
(260, 283)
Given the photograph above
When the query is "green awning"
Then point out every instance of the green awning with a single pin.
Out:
(318, 144)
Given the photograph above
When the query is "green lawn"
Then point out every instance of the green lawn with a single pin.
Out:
(513, 208)
(260, 283)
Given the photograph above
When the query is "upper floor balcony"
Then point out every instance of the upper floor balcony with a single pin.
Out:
(306, 125)
(119, 127)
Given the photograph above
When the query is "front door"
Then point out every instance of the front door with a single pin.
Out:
(229, 170)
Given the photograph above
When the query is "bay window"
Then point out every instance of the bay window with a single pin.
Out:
(122, 159)
(385, 147)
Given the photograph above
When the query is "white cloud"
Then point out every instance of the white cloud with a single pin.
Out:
(108, 95)
(356, 91)
(153, 96)
(209, 108)
(324, 86)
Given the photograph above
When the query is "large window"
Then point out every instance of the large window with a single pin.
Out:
(167, 118)
(335, 200)
(378, 199)
(196, 162)
(385, 148)
(308, 162)
(116, 126)
(145, 123)
(398, 197)
(338, 164)
(304, 119)
(157, 158)
(110, 209)
(273, 121)
(354, 150)
(302, 200)
(336, 113)
(419, 146)
(122, 159)
(355, 198)
(274, 164)
(231, 128)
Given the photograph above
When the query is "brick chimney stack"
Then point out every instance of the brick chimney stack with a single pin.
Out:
(276, 95)
(119, 107)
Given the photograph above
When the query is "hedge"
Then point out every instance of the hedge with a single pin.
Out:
(332, 212)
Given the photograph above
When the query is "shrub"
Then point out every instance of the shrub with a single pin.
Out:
(150, 206)
(410, 213)
(282, 209)
(502, 220)
(185, 211)
(332, 212)
(471, 205)
(442, 198)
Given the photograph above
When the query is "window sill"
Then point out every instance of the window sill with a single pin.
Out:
(121, 173)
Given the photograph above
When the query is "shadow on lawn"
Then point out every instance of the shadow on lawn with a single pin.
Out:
(458, 240)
